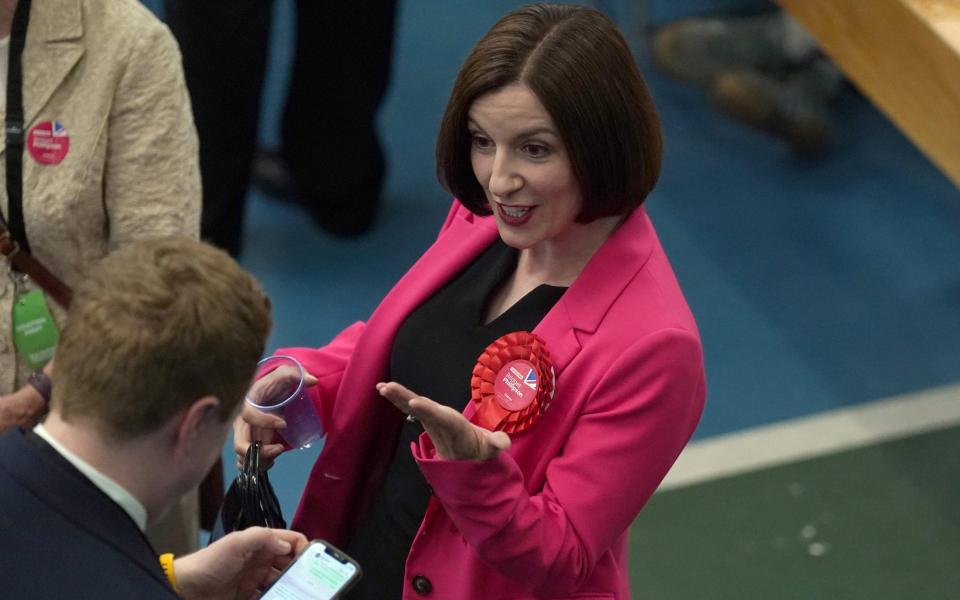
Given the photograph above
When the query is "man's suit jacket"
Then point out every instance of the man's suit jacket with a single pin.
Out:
(62, 537)
(548, 518)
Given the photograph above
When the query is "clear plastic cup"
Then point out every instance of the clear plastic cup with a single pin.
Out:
(280, 391)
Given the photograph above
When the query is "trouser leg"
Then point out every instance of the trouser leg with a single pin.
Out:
(338, 81)
(224, 46)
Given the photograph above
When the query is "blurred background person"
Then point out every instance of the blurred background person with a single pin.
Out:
(103, 83)
(764, 70)
(330, 159)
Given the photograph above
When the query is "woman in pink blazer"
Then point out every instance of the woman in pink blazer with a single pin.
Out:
(551, 143)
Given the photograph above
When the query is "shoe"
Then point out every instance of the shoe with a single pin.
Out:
(786, 108)
(696, 50)
(347, 213)
(270, 174)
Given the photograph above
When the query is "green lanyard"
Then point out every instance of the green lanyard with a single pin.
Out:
(35, 334)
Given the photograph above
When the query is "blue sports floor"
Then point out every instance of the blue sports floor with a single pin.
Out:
(817, 284)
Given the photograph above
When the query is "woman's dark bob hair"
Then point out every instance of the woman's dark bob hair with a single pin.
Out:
(581, 69)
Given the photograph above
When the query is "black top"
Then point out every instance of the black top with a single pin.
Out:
(434, 354)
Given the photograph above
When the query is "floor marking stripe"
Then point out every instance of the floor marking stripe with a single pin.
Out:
(817, 435)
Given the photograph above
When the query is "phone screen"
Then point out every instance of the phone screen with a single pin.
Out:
(319, 573)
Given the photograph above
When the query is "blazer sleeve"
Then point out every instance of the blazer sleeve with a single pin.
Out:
(327, 364)
(151, 184)
(631, 429)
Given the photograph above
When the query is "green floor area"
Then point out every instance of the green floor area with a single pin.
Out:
(876, 523)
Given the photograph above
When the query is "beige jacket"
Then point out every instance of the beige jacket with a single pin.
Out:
(110, 73)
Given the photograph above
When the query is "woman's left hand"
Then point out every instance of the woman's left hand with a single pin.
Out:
(453, 436)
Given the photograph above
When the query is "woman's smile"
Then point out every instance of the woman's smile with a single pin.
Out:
(514, 215)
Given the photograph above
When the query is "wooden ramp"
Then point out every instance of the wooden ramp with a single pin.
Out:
(905, 56)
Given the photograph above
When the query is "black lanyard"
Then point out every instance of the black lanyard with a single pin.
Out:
(14, 125)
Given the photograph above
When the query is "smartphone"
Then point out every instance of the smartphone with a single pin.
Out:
(321, 572)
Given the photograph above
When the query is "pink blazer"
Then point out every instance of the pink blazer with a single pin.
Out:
(548, 518)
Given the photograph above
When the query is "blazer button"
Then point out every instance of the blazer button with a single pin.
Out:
(422, 585)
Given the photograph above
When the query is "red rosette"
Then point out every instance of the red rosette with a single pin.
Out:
(512, 383)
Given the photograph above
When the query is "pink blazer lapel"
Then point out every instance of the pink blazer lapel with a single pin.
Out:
(613, 266)
(460, 243)
(582, 307)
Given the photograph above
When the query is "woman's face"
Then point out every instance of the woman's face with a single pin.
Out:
(522, 164)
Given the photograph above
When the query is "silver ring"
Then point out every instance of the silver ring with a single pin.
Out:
(411, 418)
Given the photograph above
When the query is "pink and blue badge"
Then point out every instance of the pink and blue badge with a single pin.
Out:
(48, 142)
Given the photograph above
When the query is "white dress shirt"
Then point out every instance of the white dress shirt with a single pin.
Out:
(111, 488)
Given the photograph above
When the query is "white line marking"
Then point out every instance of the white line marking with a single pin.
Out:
(816, 435)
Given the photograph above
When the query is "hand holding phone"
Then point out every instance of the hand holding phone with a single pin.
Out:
(321, 572)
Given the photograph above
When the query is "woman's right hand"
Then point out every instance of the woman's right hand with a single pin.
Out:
(252, 424)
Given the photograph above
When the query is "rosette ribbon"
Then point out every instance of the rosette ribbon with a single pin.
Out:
(512, 383)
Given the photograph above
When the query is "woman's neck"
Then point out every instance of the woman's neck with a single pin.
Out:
(557, 261)
(560, 260)
(7, 8)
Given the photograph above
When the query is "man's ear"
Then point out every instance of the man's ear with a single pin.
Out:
(195, 421)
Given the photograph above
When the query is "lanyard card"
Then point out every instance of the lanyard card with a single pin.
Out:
(35, 334)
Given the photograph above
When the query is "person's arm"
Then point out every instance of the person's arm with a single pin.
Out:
(237, 565)
(23, 406)
(632, 428)
(325, 367)
(151, 179)
(20, 408)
